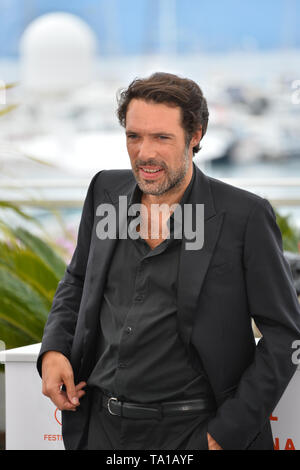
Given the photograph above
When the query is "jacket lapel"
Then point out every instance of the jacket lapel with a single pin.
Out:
(100, 257)
(194, 263)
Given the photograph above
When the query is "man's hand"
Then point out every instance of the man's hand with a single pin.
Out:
(212, 444)
(57, 371)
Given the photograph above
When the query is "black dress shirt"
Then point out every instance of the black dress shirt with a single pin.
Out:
(141, 357)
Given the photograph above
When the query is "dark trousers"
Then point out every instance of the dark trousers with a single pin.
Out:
(109, 432)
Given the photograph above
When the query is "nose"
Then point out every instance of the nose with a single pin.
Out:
(146, 149)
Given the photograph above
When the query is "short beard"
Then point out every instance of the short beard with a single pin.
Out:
(173, 178)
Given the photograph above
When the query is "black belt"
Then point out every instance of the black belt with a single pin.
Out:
(156, 411)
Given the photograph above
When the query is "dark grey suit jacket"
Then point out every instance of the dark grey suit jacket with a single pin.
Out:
(239, 273)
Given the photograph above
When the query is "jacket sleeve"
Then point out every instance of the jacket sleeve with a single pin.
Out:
(61, 323)
(274, 305)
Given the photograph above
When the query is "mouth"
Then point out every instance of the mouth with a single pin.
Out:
(150, 172)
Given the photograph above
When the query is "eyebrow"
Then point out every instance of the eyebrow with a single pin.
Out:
(128, 132)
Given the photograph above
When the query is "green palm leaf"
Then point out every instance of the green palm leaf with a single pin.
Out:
(290, 233)
(8, 109)
(43, 250)
(13, 337)
(31, 269)
(31, 266)
(7, 86)
(17, 210)
(21, 306)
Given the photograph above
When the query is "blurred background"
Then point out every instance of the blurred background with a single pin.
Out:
(61, 65)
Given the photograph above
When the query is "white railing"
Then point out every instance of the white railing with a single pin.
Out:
(83, 182)
(39, 193)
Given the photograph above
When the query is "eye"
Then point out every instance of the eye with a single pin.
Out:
(163, 137)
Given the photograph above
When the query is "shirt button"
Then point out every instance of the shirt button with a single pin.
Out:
(128, 330)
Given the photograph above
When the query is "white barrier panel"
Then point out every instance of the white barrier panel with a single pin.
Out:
(285, 418)
(33, 423)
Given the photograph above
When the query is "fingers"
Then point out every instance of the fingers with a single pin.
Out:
(57, 371)
(73, 395)
(68, 380)
(62, 402)
(58, 397)
(80, 386)
(61, 398)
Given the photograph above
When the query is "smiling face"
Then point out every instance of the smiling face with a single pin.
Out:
(160, 158)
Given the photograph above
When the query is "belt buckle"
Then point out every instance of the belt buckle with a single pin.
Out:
(108, 405)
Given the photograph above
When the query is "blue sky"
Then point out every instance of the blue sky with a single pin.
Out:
(132, 26)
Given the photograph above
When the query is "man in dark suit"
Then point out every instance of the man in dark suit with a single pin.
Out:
(149, 342)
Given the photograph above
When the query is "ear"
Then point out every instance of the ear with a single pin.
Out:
(196, 137)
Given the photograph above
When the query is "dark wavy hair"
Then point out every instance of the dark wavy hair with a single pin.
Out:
(174, 91)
